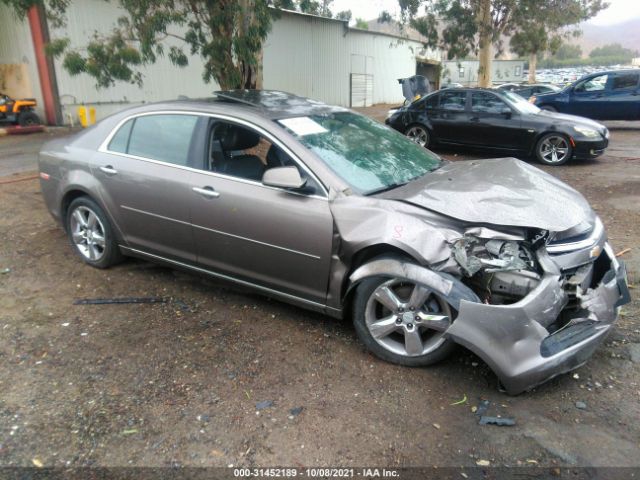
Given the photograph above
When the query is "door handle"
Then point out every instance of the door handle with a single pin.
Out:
(109, 170)
(208, 192)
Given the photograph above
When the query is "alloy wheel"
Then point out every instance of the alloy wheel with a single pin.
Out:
(418, 135)
(88, 233)
(554, 149)
(407, 319)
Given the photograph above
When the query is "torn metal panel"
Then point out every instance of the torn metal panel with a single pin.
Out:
(447, 286)
(501, 191)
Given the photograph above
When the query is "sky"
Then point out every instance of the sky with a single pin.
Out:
(618, 11)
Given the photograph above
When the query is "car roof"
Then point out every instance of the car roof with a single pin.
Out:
(271, 104)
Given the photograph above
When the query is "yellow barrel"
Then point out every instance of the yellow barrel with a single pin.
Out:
(86, 115)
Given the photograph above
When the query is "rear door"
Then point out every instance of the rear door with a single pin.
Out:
(623, 102)
(268, 236)
(145, 182)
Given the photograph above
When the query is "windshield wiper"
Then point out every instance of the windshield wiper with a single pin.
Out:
(386, 188)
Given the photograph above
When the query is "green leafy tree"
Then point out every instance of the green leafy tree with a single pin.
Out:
(541, 26)
(362, 24)
(612, 50)
(568, 51)
(470, 27)
(227, 34)
(344, 15)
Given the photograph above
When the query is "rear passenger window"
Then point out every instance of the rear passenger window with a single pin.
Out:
(165, 137)
(120, 140)
(627, 80)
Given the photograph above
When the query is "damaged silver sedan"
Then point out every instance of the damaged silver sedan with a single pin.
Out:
(329, 210)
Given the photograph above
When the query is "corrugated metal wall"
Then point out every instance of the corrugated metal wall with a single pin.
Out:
(303, 54)
(16, 48)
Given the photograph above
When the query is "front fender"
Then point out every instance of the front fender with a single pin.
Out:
(445, 285)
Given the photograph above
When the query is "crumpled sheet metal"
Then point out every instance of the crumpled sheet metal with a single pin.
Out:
(500, 191)
(449, 287)
(366, 221)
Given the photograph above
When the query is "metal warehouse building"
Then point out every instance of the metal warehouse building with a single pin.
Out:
(307, 55)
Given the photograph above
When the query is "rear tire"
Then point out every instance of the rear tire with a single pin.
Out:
(91, 234)
(410, 335)
(28, 118)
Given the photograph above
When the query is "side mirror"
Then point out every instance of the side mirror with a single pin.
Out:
(506, 111)
(283, 177)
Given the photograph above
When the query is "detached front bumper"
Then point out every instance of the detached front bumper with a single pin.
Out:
(514, 340)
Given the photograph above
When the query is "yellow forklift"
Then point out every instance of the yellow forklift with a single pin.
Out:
(18, 112)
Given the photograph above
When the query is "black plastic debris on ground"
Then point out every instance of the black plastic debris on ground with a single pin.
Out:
(490, 420)
(118, 300)
(499, 421)
(296, 411)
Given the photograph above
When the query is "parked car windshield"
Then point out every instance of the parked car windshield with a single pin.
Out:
(367, 155)
(520, 103)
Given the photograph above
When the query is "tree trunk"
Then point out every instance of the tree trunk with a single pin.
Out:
(533, 63)
(485, 43)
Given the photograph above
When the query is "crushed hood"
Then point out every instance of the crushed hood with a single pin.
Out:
(499, 191)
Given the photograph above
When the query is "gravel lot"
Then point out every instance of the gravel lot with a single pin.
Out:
(178, 383)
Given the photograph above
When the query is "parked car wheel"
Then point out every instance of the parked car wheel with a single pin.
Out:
(28, 119)
(91, 234)
(548, 108)
(553, 149)
(402, 322)
(418, 134)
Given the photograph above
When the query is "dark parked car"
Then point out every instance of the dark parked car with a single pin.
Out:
(502, 120)
(329, 210)
(529, 91)
(611, 95)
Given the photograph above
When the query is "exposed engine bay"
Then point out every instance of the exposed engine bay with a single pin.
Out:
(499, 271)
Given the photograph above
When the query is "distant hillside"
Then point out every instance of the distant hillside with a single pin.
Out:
(626, 33)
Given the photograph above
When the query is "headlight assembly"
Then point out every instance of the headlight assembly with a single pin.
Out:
(587, 132)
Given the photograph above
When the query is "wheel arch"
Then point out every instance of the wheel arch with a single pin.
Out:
(363, 256)
(74, 192)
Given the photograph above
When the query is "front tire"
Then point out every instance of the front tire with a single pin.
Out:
(28, 119)
(402, 322)
(419, 135)
(91, 234)
(553, 149)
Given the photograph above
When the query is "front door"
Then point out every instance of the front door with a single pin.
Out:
(588, 98)
(268, 236)
(493, 123)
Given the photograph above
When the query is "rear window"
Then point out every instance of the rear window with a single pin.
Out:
(627, 80)
(163, 137)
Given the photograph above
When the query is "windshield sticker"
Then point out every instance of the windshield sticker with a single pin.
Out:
(302, 126)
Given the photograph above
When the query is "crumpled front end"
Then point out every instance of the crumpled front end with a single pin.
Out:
(569, 307)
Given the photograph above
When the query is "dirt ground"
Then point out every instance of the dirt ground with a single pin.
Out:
(178, 383)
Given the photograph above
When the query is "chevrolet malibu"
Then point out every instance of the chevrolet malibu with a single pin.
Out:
(326, 209)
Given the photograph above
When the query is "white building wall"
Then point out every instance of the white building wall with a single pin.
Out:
(466, 71)
(303, 54)
(16, 48)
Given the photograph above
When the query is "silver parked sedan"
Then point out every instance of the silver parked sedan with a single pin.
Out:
(324, 208)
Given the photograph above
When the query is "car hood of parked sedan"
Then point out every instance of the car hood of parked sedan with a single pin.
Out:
(499, 191)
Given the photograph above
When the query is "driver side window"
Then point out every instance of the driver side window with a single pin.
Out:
(594, 84)
(241, 152)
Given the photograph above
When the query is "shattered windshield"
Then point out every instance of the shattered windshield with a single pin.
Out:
(364, 153)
